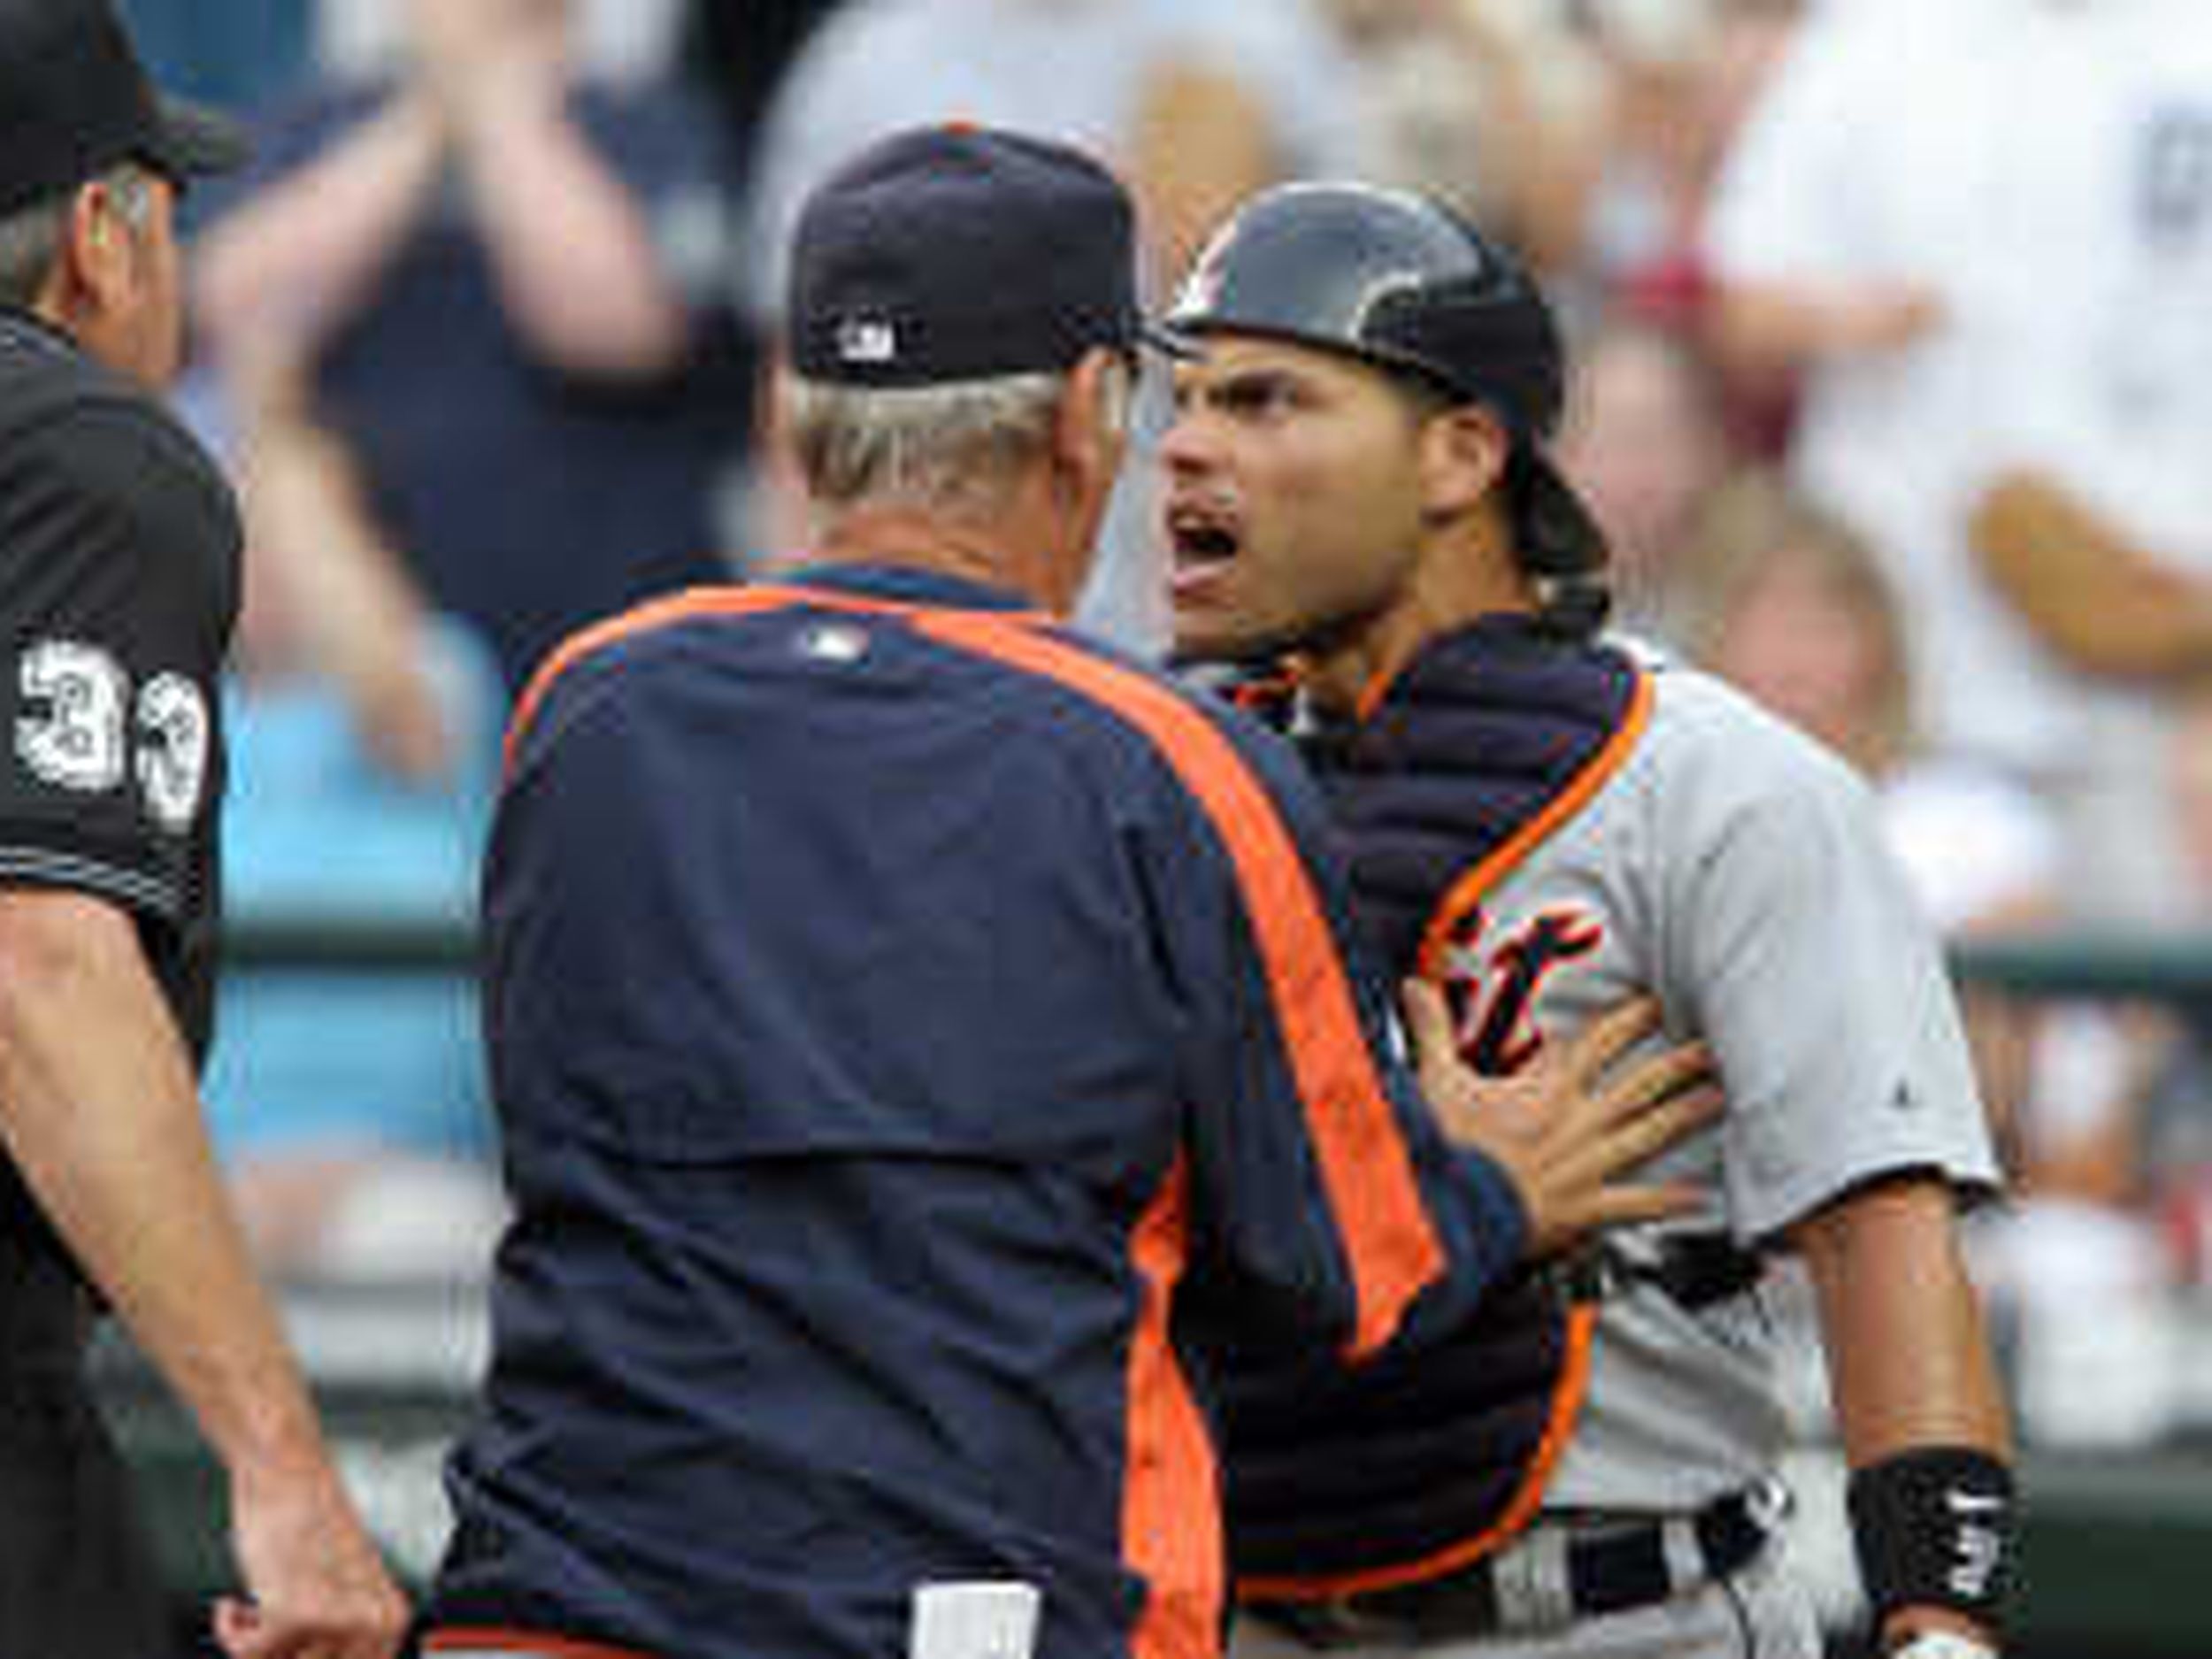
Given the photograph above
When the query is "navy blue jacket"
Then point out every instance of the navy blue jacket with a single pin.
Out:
(915, 1032)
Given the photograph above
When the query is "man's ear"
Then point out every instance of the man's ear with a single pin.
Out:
(1462, 454)
(1089, 433)
(91, 265)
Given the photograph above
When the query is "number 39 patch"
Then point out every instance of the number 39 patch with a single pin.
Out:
(87, 728)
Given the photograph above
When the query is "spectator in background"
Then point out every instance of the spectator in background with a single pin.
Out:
(1654, 94)
(1965, 294)
(2178, 1104)
(2096, 537)
(1789, 603)
(347, 1105)
(495, 281)
(615, 40)
(1647, 442)
(1440, 101)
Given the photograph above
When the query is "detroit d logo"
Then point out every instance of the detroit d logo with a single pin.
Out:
(1490, 985)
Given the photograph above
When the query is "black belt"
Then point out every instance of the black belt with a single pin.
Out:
(1697, 1269)
(1610, 1569)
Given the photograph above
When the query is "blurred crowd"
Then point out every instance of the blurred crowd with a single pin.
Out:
(1894, 392)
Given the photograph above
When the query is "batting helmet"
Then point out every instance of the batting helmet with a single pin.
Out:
(1401, 281)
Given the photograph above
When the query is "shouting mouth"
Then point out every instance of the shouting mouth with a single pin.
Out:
(1204, 539)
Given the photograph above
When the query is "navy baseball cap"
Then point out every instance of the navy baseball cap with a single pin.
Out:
(957, 252)
(74, 101)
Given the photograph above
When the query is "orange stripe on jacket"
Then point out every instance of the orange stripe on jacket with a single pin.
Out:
(1170, 1524)
(692, 603)
(657, 613)
(459, 1640)
(1390, 1242)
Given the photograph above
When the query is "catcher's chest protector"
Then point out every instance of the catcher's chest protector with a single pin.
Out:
(1437, 1452)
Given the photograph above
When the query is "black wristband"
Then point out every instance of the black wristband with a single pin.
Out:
(1934, 1528)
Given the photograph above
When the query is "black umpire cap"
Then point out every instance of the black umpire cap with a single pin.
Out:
(75, 101)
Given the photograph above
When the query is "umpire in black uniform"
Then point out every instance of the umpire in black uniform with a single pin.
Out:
(119, 585)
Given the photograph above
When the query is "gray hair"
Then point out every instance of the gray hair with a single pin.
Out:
(31, 238)
(957, 448)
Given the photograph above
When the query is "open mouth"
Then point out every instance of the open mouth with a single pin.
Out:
(1201, 537)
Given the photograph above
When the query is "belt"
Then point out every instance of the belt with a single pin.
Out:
(1549, 1578)
(1697, 1269)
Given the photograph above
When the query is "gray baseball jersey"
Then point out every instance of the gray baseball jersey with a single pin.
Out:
(1735, 868)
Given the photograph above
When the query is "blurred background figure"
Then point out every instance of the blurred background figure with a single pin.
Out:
(498, 282)
(1440, 100)
(1642, 102)
(1648, 443)
(1959, 293)
(617, 40)
(2177, 1152)
(347, 1105)
(1194, 105)
(464, 336)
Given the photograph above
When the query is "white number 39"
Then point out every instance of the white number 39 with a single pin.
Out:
(85, 731)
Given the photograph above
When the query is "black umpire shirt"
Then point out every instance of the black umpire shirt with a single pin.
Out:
(119, 588)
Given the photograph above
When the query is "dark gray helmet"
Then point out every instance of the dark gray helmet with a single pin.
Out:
(1400, 281)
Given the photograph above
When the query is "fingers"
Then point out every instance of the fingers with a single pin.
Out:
(1428, 1024)
(240, 1629)
(1627, 1206)
(1605, 1039)
(1657, 1078)
(1603, 1154)
(1579, 1189)
(1637, 1138)
(245, 1631)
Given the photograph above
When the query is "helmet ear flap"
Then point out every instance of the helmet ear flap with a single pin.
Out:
(1562, 547)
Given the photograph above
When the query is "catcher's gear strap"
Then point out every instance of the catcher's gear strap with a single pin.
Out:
(1423, 1459)
(1489, 740)
(1935, 1528)
(1434, 1454)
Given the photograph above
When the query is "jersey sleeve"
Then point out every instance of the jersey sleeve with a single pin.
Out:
(120, 585)
(1327, 1186)
(1818, 981)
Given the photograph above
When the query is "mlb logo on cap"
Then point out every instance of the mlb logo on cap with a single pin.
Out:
(866, 340)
